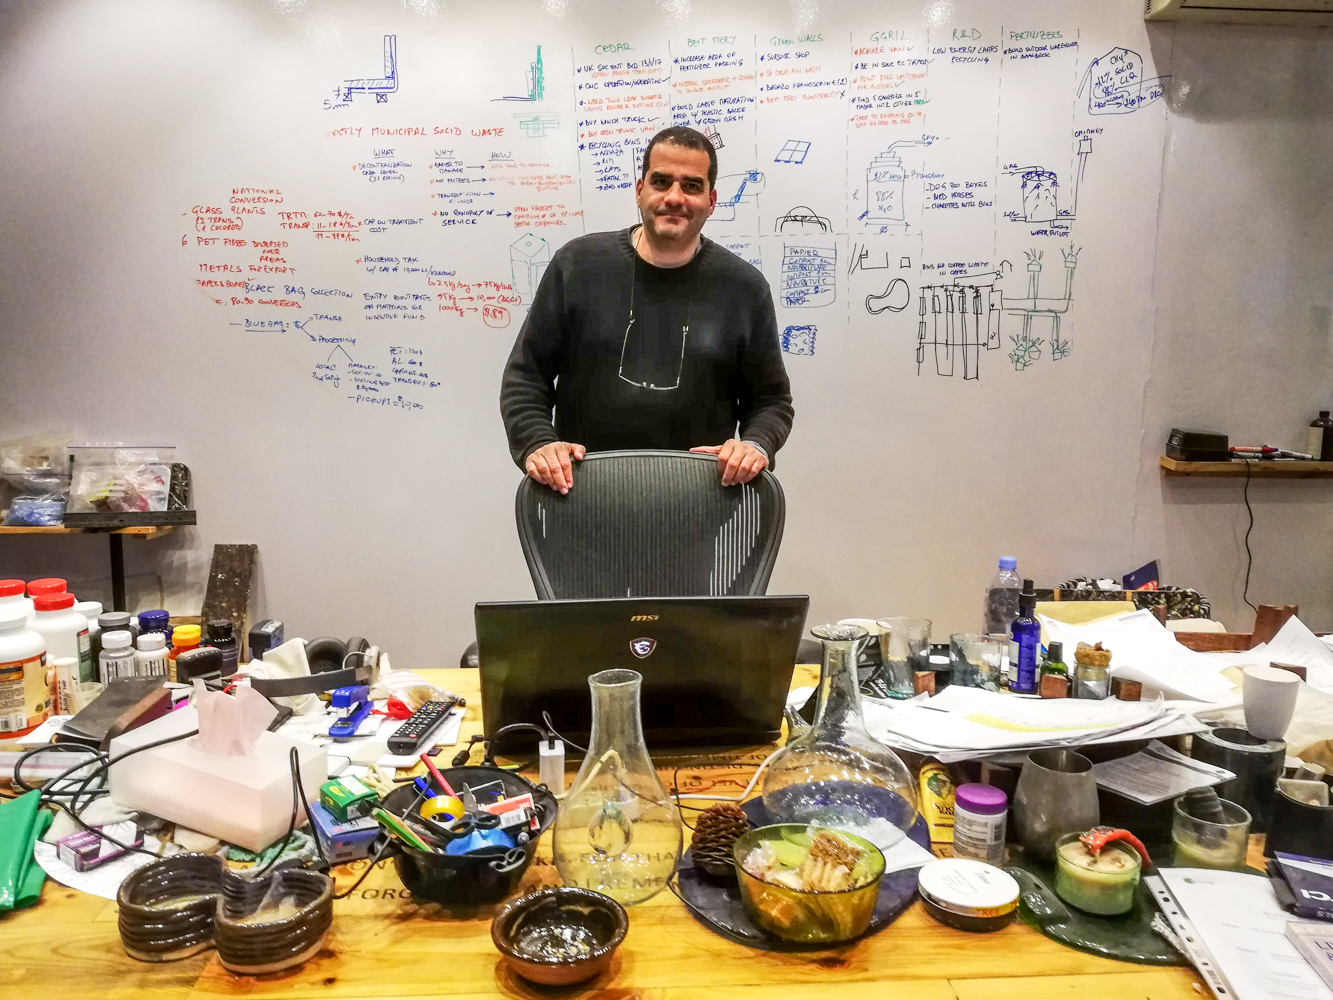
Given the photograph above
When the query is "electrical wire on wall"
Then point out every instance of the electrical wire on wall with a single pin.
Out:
(1249, 555)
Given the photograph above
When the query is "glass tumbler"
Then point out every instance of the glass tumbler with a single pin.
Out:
(976, 660)
(1201, 843)
(904, 645)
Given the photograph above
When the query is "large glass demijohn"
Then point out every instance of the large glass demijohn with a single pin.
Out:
(618, 831)
(835, 773)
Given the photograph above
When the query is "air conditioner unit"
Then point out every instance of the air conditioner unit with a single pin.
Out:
(1308, 13)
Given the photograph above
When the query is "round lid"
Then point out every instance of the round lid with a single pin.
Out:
(1055, 650)
(153, 619)
(1008, 562)
(839, 633)
(89, 609)
(961, 884)
(152, 640)
(185, 634)
(113, 619)
(221, 630)
(12, 588)
(13, 618)
(52, 602)
(46, 585)
(978, 798)
(116, 640)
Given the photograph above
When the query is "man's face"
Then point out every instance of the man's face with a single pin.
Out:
(675, 198)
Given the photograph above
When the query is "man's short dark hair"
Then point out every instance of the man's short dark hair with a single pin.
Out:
(679, 135)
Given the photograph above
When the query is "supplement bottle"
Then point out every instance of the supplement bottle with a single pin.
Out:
(25, 694)
(46, 585)
(156, 621)
(222, 635)
(183, 637)
(117, 658)
(12, 596)
(150, 660)
(65, 632)
(979, 813)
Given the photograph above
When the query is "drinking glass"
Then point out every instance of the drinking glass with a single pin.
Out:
(904, 645)
(1056, 794)
(1200, 843)
(976, 660)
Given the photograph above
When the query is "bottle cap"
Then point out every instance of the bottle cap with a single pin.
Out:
(1055, 650)
(150, 620)
(117, 640)
(978, 798)
(13, 618)
(185, 635)
(12, 588)
(89, 609)
(221, 630)
(1323, 413)
(52, 602)
(113, 620)
(46, 585)
(152, 641)
(1008, 562)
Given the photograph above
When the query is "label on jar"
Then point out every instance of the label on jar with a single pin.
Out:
(25, 697)
(1314, 442)
(978, 836)
(87, 669)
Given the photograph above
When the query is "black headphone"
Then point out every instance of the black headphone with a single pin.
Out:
(333, 664)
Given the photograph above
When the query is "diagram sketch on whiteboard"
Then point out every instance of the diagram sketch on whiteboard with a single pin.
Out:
(735, 190)
(1040, 190)
(713, 136)
(1034, 306)
(799, 340)
(793, 151)
(860, 259)
(535, 81)
(895, 298)
(886, 185)
(1116, 85)
(809, 276)
(381, 86)
(802, 219)
(528, 257)
(538, 126)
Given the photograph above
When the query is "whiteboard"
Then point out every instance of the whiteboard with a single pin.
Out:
(299, 238)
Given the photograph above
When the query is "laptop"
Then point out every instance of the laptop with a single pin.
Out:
(716, 670)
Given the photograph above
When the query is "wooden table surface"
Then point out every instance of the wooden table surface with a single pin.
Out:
(384, 945)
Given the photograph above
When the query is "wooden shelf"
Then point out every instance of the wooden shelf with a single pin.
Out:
(142, 531)
(1258, 469)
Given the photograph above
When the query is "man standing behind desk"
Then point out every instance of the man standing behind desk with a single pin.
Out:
(650, 337)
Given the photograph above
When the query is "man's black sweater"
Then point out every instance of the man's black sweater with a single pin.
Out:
(650, 384)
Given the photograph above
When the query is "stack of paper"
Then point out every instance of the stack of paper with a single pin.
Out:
(961, 723)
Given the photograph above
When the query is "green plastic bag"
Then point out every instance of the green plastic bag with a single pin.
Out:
(22, 823)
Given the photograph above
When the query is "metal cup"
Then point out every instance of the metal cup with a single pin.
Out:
(1057, 794)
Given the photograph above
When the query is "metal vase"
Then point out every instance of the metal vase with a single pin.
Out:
(1057, 794)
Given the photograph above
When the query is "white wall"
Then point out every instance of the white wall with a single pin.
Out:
(1209, 308)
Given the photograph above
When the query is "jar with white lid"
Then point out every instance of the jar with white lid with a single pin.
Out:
(25, 693)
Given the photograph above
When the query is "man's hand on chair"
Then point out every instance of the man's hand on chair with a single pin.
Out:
(737, 461)
(550, 464)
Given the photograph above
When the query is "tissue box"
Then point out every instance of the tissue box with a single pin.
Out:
(244, 799)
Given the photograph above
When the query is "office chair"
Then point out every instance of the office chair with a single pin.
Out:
(648, 524)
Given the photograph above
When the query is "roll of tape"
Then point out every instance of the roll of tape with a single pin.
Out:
(1256, 763)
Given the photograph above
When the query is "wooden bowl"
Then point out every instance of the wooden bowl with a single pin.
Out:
(559, 936)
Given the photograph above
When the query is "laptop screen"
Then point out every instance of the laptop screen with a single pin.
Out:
(716, 670)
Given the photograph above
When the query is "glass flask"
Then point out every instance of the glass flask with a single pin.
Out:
(618, 831)
(837, 774)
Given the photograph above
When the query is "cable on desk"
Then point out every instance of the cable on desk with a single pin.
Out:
(1249, 556)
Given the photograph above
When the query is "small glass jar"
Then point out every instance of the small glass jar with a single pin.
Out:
(1104, 885)
(979, 815)
(1092, 683)
(1201, 843)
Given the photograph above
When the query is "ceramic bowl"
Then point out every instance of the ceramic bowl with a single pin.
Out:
(166, 908)
(559, 936)
(252, 942)
(801, 915)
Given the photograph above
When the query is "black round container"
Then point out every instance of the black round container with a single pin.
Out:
(479, 879)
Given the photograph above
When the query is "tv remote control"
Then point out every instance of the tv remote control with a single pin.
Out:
(424, 721)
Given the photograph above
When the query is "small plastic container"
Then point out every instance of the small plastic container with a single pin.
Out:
(12, 595)
(979, 815)
(46, 585)
(25, 695)
(221, 634)
(156, 621)
(117, 658)
(118, 621)
(150, 660)
(183, 638)
(65, 632)
(968, 895)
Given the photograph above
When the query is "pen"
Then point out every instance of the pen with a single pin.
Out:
(439, 778)
(395, 827)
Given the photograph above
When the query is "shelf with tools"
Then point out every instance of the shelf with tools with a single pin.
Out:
(1257, 469)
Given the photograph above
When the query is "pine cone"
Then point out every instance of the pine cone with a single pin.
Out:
(715, 831)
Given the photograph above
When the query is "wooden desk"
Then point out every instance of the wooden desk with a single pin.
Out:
(384, 945)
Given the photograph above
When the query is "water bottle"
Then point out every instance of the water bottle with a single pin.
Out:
(1002, 597)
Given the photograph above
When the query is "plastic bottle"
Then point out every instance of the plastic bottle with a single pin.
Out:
(979, 814)
(183, 637)
(1318, 439)
(1026, 634)
(1002, 597)
(150, 660)
(156, 621)
(222, 635)
(12, 596)
(118, 621)
(117, 659)
(46, 585)
(65, 631)
(90, 610)
(25, 694)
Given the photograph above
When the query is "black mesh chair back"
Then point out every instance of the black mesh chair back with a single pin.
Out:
(650, 524)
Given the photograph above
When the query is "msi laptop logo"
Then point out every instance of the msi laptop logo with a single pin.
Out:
(643, 618)
(642, 648)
